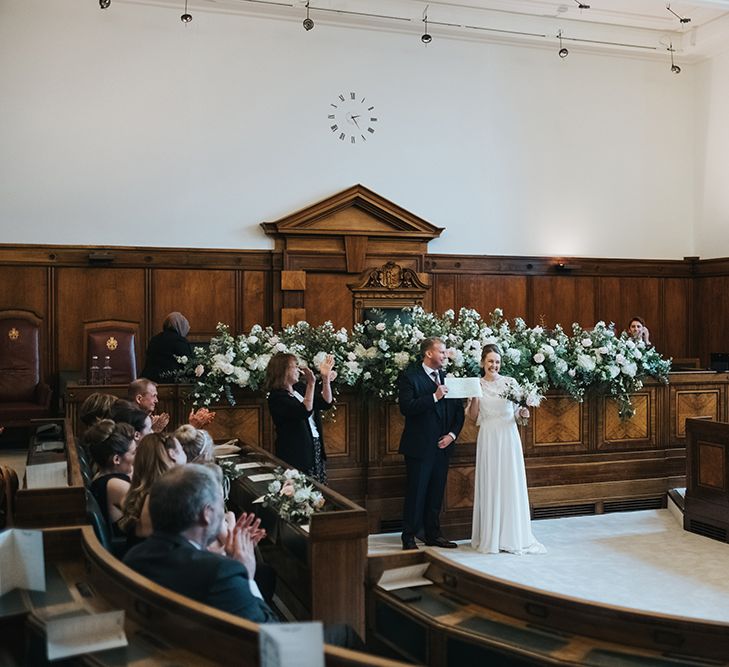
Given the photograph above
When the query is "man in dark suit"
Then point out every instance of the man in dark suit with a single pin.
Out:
(186, 506)
(432, 424)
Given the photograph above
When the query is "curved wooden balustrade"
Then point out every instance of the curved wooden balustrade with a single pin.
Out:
(162, 627)
(474, 617)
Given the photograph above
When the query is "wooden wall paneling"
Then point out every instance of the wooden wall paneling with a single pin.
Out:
(205, 297)
(619, 299)
(328, 297)
(244, 423)
(443, 292)
(255, 299)
(673, 337)
(484, 293)
(638, 432)
(694, 400)
(460, 487)
(558, 426)
(562, 300)
(711, 316)
(94, 293)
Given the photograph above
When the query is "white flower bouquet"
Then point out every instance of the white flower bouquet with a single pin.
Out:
(293, 496)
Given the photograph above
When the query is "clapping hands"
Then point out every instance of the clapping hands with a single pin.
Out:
(242, 539)
(160, 421)
(200, 418)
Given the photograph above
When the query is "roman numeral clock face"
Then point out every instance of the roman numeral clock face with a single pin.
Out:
(352, 119)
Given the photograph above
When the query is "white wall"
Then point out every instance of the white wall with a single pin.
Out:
(712, 158)
(126, 127)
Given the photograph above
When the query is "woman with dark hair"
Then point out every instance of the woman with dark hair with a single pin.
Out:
(296, 411)
(164, 348)
(129, 413)
(112, 447)
(501, 520)
(638, 330)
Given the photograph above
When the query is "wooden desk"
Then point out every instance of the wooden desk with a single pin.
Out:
(58, 506)
(162, 627)
(321, 570)
(706, 505)
(469, 618)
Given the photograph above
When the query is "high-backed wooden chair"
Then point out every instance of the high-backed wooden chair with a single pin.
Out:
(24, 394)
(116, 339)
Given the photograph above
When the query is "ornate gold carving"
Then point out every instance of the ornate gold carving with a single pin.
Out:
(112, 343)
(13, 334)
(392, 276)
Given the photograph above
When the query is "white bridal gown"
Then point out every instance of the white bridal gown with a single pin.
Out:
(501, 520)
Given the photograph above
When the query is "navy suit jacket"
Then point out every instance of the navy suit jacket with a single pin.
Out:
(221, 582)
(425, 419)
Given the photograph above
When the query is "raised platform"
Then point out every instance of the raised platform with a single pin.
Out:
(642, 561)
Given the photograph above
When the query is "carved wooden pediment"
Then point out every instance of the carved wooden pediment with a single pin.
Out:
(339, 232)
(387, 287)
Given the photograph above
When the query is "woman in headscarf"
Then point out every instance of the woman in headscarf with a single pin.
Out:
(161, 360)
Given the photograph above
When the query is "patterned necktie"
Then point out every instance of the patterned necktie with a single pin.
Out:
(435, 376)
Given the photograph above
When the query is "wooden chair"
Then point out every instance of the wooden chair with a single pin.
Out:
(24, 394)
(116, 339)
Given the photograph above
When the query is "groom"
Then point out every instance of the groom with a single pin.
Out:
(432, 423)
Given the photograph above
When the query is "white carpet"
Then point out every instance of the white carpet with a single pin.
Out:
(641, 560)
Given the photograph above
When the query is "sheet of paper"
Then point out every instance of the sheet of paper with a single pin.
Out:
(404, 577)
(46, 475)
(250, 464)
(286, 644)
(258, 500)
(263, 477)
(86, 633)
(23, 564)
(463, 387)
(224, 450)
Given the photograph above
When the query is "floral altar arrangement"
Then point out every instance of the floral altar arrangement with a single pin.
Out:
(372, 356)
(293, 496)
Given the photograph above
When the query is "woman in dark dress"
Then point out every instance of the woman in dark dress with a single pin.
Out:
(112, 447)
(296, 411)
(164, 348)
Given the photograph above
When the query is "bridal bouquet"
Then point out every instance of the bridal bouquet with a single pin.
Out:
(292, 496)
(525, 395)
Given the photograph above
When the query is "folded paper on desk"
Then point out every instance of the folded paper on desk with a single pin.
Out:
(284, 644)
(85, 633)
(251, 464)
(51, 446)
(226, 449)
(46, 475)
(263, 477)
(23, 565)
(463, 387)
(404, 577)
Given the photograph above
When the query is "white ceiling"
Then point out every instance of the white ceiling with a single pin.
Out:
(632, 26)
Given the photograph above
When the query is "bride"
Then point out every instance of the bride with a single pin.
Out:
(501, 520)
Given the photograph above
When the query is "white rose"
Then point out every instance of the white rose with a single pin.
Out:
(553, 342)
(319, 358)
(585, 361)
(613, 371)
(366, 375)
(537, 330)
(353, 367)
(351, 356)
(586, 342)
(301, 496)
(199, 370)
(630, 369)
(572, 372)
(252, 339)
(401, 359)
(513, 355)
(637, 353)
(383, 344)
(280, 347)
(538, 358)
(620, 359)
(602, 350)
(380, 326)
(275, 486)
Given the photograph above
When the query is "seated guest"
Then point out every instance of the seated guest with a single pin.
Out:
(112, 447)
(198, 444)
(129, 413)
(156, 454)
(143, 393)
(161, 362)
(638, 330)
(96, 406)
(186, 506)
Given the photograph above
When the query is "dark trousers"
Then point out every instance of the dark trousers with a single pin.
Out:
(425, 487)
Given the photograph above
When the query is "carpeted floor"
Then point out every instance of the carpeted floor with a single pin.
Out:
(641, 560)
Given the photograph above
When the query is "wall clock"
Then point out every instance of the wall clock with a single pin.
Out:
(352, 119)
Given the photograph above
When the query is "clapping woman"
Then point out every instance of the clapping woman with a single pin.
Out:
(296, 411)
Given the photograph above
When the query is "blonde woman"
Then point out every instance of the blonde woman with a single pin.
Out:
(156, 454)
(196, 442)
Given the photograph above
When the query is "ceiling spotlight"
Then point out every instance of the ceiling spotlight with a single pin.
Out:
(104, 4)
(563, 52)
(682, 19)
(186, 18)
(308, 23)
(674, 67)
(426, 37)
(582, 5)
